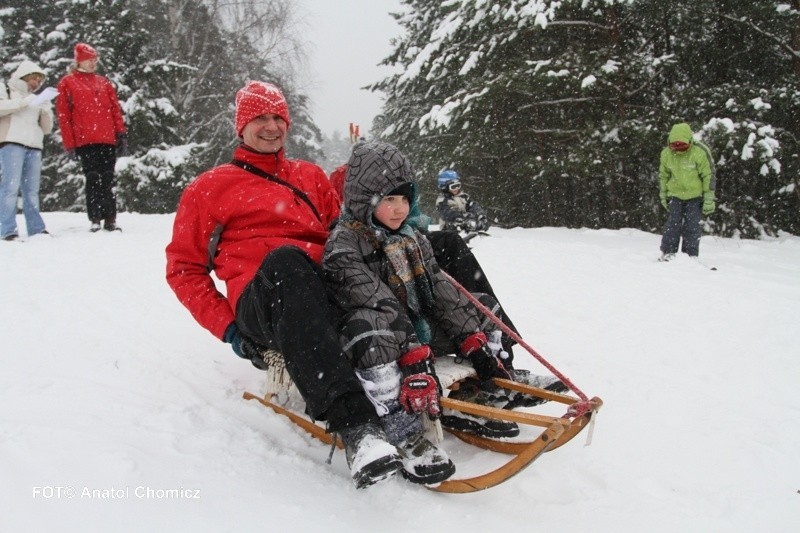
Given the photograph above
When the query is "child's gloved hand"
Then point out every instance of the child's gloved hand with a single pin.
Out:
(419, 389)
(475, 348)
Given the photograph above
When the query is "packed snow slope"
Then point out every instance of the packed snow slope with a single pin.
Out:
(119, 413)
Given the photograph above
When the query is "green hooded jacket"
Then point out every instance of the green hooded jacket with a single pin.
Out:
(686, 175)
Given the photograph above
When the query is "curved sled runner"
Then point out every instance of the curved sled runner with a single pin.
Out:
(557, 430)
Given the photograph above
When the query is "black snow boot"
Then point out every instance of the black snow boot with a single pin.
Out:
(369, 455)
(471, 390)
(424, 462)
(526, 377)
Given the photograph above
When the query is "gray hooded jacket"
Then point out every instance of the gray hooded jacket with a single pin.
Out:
(377, 328)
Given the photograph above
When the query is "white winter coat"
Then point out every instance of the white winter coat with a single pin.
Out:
(20, 122)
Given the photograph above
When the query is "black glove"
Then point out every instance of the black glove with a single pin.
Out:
(486, 365)
(244, 347)
(122, 144)
(483, 223)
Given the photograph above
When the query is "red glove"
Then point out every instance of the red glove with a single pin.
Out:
(419, 390)
(487, 366)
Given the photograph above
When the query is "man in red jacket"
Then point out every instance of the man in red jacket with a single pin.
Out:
(260, 224)
(93, 130)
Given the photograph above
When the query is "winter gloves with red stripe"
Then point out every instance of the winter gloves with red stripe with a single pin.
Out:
(475, 348)
(419, 389)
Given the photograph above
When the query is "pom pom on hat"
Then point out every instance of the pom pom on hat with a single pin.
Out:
(83, 52)
(259, 98)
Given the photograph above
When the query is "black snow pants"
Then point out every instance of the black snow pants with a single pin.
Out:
(683, 221)
(454, 257)
(98, 161)
(286, 308)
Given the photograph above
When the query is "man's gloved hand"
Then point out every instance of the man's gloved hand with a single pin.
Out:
(122, 144)
(664, 201)
(419, 389)
(483, 223)
(475, 348)
(709, 205)
(244, 347)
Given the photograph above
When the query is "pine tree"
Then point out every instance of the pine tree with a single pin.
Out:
(563, 107)
(176, 84)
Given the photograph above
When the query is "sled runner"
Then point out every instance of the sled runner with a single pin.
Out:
(557, 430)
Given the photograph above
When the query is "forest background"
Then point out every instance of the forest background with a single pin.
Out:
(553, 112)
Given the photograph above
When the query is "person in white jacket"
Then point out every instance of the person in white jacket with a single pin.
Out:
(23, 125)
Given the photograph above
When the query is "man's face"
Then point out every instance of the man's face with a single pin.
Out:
(265, 133)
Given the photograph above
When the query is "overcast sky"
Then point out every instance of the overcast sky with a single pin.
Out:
(347, 39)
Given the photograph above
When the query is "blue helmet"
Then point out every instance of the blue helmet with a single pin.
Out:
(445, 177)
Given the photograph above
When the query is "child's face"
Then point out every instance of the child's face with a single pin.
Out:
(391, 211)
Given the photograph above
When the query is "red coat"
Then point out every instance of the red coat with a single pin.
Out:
(250, 216)
(337, 179)
(88, 110)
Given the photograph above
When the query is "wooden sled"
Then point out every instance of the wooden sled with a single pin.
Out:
(557, 430)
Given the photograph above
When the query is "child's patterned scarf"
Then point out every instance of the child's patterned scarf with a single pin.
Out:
(407, 278)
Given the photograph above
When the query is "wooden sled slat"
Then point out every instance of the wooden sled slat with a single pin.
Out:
(303, 422)
(559, 431)
(535, 391)
(532, 451)
(498, 414)
(513, 448)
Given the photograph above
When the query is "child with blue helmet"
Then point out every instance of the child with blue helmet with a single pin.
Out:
(457, 211)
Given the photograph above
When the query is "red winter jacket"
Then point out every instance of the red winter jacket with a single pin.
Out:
(229, 219)
(337, 177)
(88, 110)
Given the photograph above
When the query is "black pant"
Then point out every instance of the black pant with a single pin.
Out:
(98, 161)
(286, 308)
(454, 257)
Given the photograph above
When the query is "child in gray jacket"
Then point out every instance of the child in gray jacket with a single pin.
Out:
(398, 309)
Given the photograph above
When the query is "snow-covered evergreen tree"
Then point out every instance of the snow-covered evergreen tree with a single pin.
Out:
(176, 84)
(564, 106)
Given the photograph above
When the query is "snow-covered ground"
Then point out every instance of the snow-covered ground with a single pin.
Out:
(112, 399)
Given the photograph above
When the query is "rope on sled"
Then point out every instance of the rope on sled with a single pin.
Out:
(576, 409)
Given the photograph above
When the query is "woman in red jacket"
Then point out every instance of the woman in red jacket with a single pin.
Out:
(92, 129)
